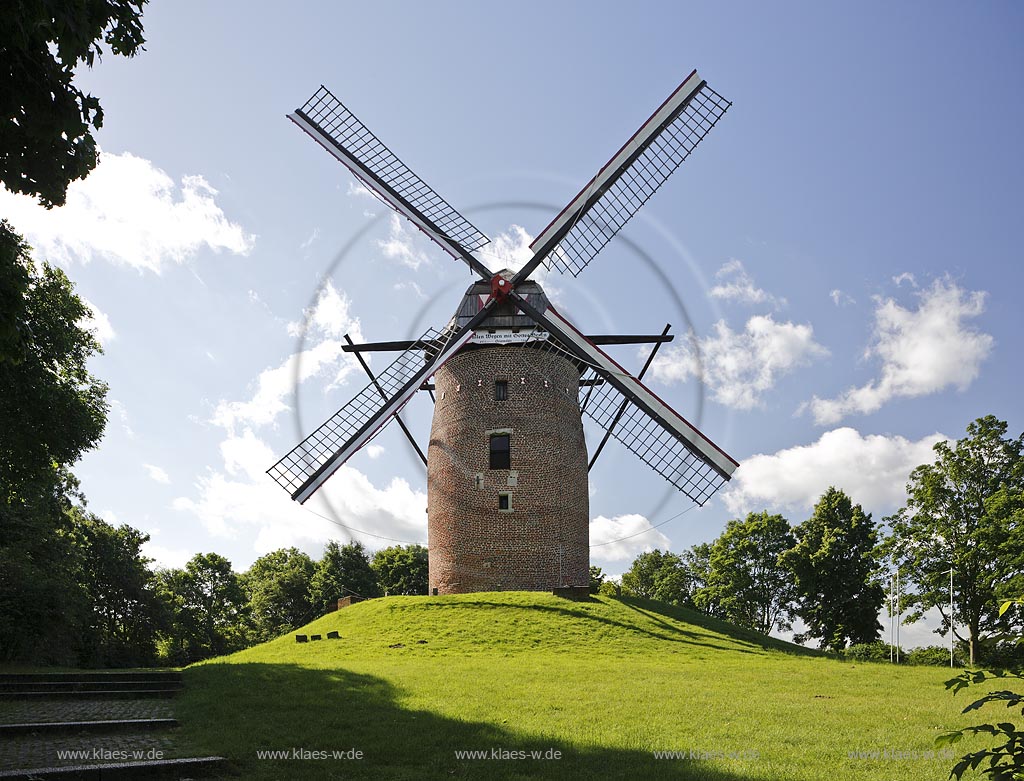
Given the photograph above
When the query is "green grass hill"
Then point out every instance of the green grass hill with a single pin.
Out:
(523, 685)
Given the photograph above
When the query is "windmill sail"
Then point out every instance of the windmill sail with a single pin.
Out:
(629, 179)
(670, 456)
(337, 130)
(655, 432)
(304, 469)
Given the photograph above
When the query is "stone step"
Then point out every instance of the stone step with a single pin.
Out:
(108, 725)
(186, 767)
(92, 694)
(74, 686)
(120, 675)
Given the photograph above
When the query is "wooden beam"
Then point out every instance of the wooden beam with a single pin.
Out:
(398, 346)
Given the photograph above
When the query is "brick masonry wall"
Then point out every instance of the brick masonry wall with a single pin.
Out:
(543, 542)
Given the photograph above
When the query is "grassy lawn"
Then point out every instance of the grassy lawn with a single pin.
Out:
(604, 683)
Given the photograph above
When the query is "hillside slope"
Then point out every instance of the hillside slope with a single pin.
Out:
(542, 686)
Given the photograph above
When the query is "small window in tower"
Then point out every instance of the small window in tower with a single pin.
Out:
(500, 455)
(504, 501)
(500, 390)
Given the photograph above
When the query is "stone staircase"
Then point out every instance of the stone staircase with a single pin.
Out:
(100, 725)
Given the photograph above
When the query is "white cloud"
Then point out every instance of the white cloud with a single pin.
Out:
(275, 385)
(737, 285)
(98, 322)
(129, 212)
(164, 557)
(312, 237)
(246, 455)
(922, 351)
(410, 285)
(374, 451)
(872, 469)
(608, 534)
(325, 321)
(509, 249)
(401, 245)
(122, 415)
(242, 500)
(906, 276)
(839, 298)
(157, 474)
(739, 367)
(361, 190)
(330, 316)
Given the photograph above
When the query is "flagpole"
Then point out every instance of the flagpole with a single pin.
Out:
(951, 616)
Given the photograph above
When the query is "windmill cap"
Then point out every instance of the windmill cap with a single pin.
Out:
(504, 315)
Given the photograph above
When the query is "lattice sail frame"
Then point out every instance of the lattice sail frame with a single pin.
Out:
(673, 458)
(375, 165)
(311, 457)
(629, 180)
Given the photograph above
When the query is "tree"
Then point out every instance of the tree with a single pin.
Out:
(832, 563)
(658, 575)
(965, 511)
(402, 569)
(697, 561)
(278, 588)
(596, 579)
(208, 609)
(344, 570)
(124, 609)
(52, 409)
(14, 281)
(51, 412)
(46, 138)
(746, 581)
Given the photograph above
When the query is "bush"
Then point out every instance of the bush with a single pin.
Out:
(933, 655)
(869, 652)
(1004, 656)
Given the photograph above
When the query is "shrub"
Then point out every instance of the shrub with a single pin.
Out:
(933, 655)
(869, 652)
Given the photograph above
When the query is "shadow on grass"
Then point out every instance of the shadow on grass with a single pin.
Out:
(745, 640)
(237, 710)
(653, 610)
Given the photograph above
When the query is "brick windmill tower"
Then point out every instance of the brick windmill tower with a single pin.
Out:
(507, 464)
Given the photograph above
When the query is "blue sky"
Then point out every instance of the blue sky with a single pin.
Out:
(844, 245)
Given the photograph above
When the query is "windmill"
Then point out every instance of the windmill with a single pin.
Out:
(507, 486)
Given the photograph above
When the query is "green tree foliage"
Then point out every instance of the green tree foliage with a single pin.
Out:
(965, 511)
(659, 575)
(51, 411)
(14, 281)
(596, 579)
(343, 571)
(208, 610)
(51, 408)
(832, 563)
(124, 609)
(746, 582)
(46, 138)
(277, 585)
(401, 570)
